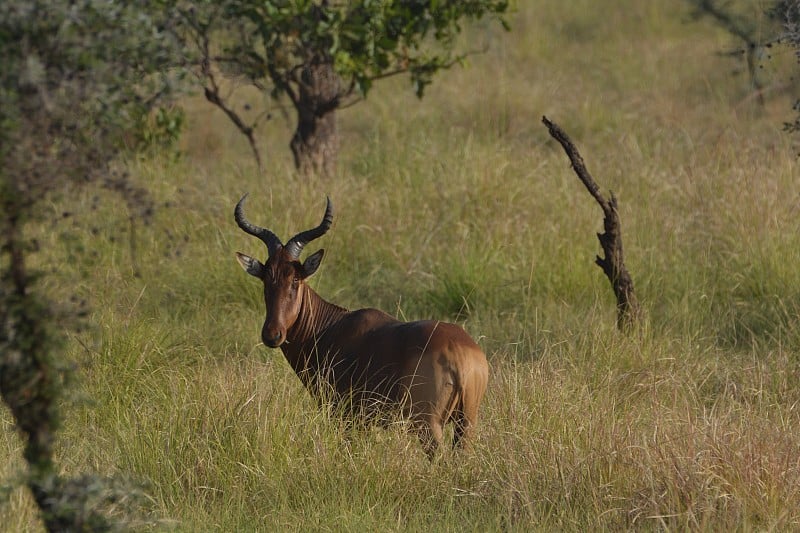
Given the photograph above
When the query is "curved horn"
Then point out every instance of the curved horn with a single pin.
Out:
(267, 237)
(296, 243)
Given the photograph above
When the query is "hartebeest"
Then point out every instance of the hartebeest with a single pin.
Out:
(365, 362)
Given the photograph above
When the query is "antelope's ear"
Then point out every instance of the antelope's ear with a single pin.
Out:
(250, 265)
(312, 263)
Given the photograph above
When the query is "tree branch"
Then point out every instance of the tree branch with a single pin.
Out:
(613, 264)
(212, 94)
(738, 27)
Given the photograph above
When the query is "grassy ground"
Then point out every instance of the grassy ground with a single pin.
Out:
(460, 207)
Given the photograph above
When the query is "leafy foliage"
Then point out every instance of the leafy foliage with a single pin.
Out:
(159, 130)
(278, 45)
(365, 40)
(74, 78)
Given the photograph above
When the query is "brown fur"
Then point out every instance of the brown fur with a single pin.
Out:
(368, 363)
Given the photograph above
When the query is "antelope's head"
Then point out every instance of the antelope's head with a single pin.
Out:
(283, 274)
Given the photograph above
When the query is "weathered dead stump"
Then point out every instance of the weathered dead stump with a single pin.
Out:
(613, 264)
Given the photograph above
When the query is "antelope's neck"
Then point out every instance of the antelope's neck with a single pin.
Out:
(316, 315)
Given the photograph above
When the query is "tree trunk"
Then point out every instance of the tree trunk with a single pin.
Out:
(315, 143)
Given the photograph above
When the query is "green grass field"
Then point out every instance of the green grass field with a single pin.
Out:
(461, 207)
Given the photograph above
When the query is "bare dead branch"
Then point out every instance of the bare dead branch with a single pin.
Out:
(211, 91)
(354, 99)
(613, 264)
(740, 28)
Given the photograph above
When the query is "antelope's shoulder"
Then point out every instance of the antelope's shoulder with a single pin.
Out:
(363, 321)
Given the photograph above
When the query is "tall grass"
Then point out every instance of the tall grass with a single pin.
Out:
(460, 207)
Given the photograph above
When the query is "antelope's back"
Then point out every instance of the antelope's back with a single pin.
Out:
(373, 350)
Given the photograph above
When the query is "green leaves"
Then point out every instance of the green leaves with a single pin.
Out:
(75, 78)
(322, 55)
(364, 40)
(75, 75)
